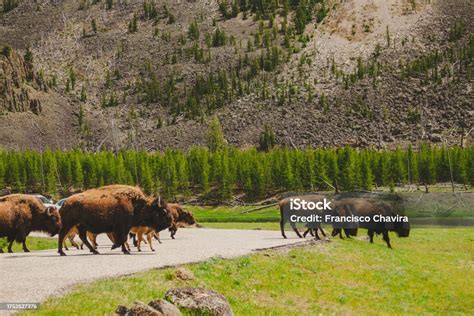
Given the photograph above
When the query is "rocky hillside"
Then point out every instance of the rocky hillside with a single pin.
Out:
(150, 74)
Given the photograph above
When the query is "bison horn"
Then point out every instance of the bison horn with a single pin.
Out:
(48, 211)
(159, 200)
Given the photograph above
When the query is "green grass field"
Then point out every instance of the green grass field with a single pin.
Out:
(33, 243)
(429, 272)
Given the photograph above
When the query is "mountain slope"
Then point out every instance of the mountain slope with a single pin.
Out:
(149, 74)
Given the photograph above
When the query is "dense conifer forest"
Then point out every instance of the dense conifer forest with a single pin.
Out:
(226, 171)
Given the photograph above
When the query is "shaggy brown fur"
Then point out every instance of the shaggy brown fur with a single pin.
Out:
(21, 214)
(112, 209)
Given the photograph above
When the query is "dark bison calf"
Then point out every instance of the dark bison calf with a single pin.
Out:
(112, 209)
(343, 210)
(374, 210)
(21, 214)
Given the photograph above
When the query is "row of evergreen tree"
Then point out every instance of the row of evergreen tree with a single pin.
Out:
(224, 172)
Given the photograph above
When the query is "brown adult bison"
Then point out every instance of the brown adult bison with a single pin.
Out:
(21, 214)
(375, 214)
(286, 212)
(112, 209)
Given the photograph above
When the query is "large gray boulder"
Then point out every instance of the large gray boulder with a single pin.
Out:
(141, 309)
(200, 301)
(165, 307)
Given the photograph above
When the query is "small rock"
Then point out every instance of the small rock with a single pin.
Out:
(165, 307)
(199, 300)
(184, 274)
(436, 138)
(140, 308)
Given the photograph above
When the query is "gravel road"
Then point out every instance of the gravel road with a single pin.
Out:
(32, 277)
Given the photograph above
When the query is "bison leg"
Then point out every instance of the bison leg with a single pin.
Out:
(316, 234)
(10, 244)
(139, 240)
(73, 243)
(282, 227)
(293, 225)
(387, 239)
(173, 229)
(309, 230)
(322, 231)
(62, 234)
(134, 239)
(120, 239)
(156, 235)
(111, 237)
(347, 234)
(371, 235)
(83, 237)
(148, 237)
(93, 239)
(25, 249)
(334, 232)
(125, 250)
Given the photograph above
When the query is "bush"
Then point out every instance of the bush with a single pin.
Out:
(7, 51)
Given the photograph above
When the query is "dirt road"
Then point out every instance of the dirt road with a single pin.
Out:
(32, 277)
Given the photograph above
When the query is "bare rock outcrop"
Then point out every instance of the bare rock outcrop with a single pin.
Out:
(15, 90)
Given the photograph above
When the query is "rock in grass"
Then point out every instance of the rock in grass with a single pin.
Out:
(184, 274)
(200, 301)
(165, 307)
(140, 308)
(121, 310)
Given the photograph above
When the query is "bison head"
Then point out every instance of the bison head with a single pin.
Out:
(52, 221)
(160, 217)
(186, 217)
(402, 229)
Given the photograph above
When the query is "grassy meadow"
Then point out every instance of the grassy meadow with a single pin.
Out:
(33, 243)
(429, 272)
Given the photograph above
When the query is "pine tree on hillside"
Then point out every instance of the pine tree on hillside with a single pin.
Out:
(50, 173)
(346, 166)
(76, 170)
(215, 136)
(427, 167)
(366, 178)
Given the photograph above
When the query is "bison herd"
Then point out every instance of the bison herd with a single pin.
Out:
(117, 210)
(121, 211)
(372, 209)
